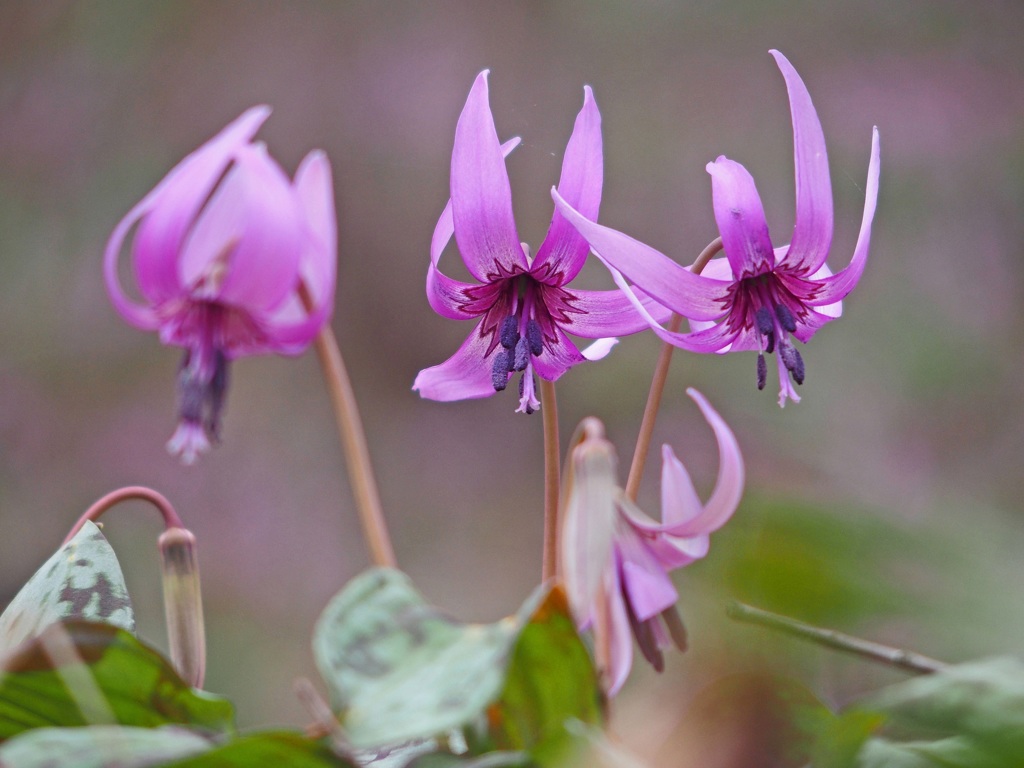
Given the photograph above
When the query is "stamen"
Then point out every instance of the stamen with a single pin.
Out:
(500, 370)
(675, 627)
(763, 318)
(644, 634)
(769, 343)
(785, 317)
(216, 393)
(528, 402)
(535, 336)
(509, 332)
(522, 355)
(798, 367)
(762, 371)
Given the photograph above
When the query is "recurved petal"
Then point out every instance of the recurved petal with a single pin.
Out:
(580, 185)
(245, 247)
(666, 281)
(481, 196)
(620, 635)
(464, 375)
(740, 218)
(729, 484)
(812, 231)
(840, 284)
(157, 244)
(171, 208)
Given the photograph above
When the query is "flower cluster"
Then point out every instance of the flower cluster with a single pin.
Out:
(232, 258)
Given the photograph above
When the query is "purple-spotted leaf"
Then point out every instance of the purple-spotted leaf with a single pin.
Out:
(82, 580)
(399, 669)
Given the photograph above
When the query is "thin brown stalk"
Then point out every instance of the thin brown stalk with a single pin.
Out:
(643, 440)
(549, 410)
(353, 441)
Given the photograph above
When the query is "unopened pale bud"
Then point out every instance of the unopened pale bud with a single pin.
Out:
(183, 604)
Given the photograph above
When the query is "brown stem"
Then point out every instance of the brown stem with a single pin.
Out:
(894, 657)
(353, 441)
(549, 410)
(140, 492)
(643, 440)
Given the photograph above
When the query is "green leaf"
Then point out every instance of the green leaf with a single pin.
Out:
(398, 669)
(81, 673)
(269, 748)
(82, 580)
(550, 679)
(979, 704)
(954, 752)
(101, 746)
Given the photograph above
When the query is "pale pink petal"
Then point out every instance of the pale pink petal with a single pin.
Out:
(580, 185)
(485, 229)
(812, 231)
(599, 349)
(620, 635)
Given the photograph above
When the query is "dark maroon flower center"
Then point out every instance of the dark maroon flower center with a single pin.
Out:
(765, 305)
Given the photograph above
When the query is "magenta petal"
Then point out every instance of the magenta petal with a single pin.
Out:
(812, 232)
(292, 325)
(580, 185)
(839, 285)
(610, 313)
(252, 231)
(668, 283)
(740, 218)
(481, 196)
(465, 375)
(558, 357)
(176, 201)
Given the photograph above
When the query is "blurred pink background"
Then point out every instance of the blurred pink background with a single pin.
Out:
(907, 446)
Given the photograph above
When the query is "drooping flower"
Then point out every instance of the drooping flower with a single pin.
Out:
(616, 560)
(231, 259)
(523, 304)
(758, 297)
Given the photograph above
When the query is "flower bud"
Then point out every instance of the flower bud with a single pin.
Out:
(183, 604)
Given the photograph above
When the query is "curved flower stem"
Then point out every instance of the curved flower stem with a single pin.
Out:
(552, 483)
(643, 440)
(908, 661)
(140, 492)
(353, 440)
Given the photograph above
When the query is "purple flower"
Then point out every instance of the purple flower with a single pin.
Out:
(758, 297)
(227, 255)
(524, 305)
(615, 560)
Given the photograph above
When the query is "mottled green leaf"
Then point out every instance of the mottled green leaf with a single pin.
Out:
(82, 580)
(270, 748)
(81, 673)
(100, 746)
(117, 746)
(398, 669)
(954, 752)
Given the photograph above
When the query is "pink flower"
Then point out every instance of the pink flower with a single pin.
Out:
(227, 256)
(524, 306)
(616, 560)
(758, 297)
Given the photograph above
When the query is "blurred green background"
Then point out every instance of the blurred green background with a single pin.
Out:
(886, 503)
